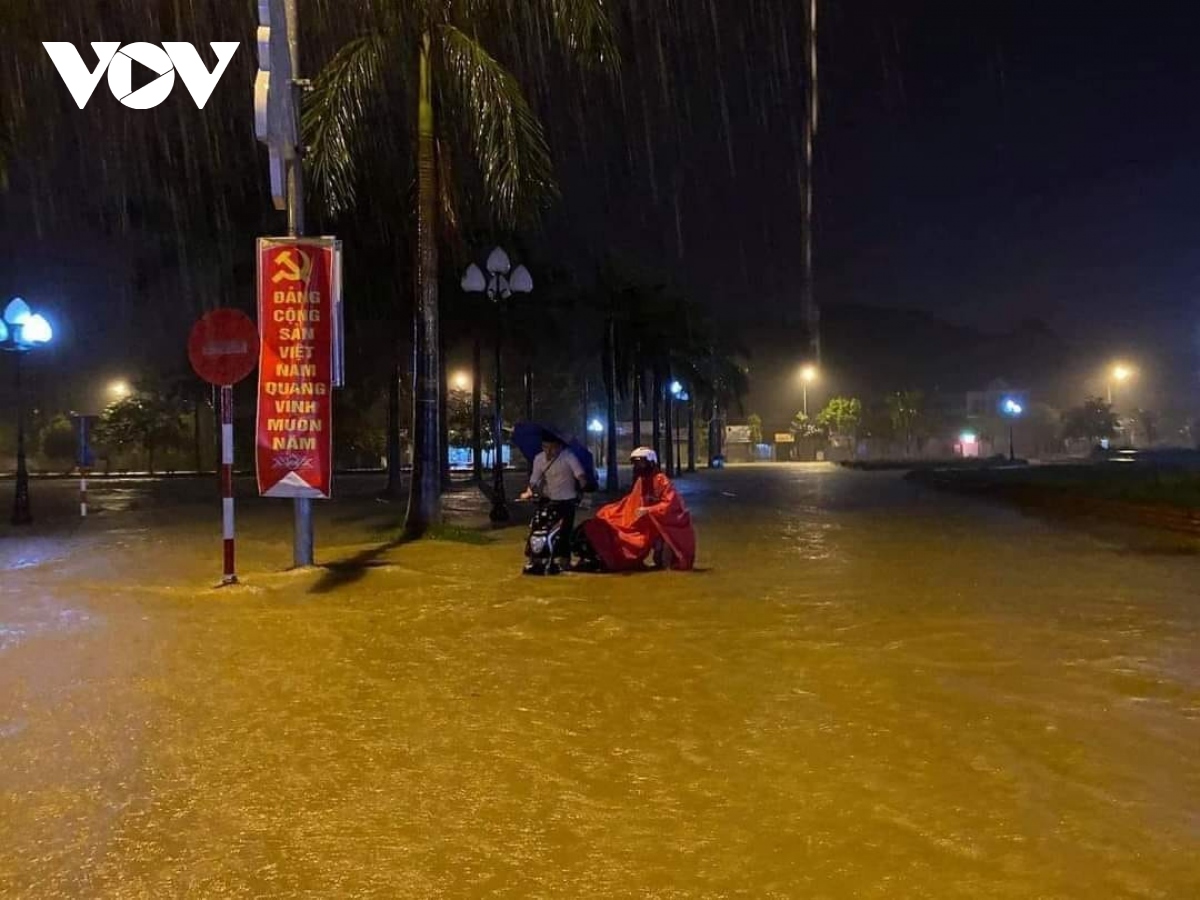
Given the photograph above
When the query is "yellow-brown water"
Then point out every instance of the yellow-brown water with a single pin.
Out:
(868, 691)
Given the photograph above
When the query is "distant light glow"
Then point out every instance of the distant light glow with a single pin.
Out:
(1121, 372)
(462, 381)
(1012, 407)
(808, 374)
(596, 426)
(968, 437)
(676, 388)
(119, 389)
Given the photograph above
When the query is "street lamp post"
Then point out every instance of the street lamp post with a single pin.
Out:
(1012, 409)
(501, 282)
(21, 331)
(1120, 374)
(808, 374)
(596, 429)
(679, 395)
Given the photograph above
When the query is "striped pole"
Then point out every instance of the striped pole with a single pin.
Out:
(83, 493)
(227, 480)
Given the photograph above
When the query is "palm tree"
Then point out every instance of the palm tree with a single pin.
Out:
(462, 92)
(904, 412)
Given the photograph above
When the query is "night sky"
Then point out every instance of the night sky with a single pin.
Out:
(987, 162)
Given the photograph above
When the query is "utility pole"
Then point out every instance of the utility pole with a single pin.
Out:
(302, 531)
(277, 92)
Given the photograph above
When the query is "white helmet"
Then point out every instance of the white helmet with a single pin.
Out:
(644, 453)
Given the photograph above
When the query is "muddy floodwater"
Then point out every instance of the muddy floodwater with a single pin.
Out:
(868, 690)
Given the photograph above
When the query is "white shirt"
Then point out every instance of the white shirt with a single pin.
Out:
(560, 478)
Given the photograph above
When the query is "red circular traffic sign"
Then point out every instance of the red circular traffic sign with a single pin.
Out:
(223, 346)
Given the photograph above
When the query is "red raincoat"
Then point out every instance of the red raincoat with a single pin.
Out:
(623, 539)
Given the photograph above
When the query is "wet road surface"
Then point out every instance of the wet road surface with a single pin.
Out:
(868, 690)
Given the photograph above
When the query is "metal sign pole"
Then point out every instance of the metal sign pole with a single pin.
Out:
(229, 576)
(302, 530)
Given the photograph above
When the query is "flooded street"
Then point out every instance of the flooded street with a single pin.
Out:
(868, 690)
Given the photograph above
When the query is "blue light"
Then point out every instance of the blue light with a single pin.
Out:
(1013, 408)
(22, 329)
(36, 330)
(17, 312)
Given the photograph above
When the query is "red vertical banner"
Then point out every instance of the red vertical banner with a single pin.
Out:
(298, 287)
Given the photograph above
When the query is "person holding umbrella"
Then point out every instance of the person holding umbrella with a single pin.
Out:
(559, 478)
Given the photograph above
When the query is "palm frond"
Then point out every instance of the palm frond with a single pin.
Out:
(585, 29)
(333, 116)
(506, 137)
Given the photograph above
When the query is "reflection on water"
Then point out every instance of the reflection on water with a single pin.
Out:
(867, 692)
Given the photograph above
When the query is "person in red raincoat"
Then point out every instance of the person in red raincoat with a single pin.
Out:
(650, 521)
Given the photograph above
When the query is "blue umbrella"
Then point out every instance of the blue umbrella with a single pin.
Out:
(527, 437)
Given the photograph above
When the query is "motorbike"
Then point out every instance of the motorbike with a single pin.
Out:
(547, 542)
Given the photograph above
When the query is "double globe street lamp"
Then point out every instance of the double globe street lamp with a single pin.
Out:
(22, 330)
(1012, 410)
(680, 395)
(500, 283)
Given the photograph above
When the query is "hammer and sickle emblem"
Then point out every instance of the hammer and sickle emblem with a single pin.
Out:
(289, 269)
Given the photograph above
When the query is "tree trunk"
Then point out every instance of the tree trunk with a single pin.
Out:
(611, 480)
(656, 413)
(528, 393)
(529, 405)
(691, 412)
(587, 403)
(443, 417)
(393, 431)
(638, 386)
(425, 489)
(669, 410)
(477, 410)
(714, 432)
(196, 401)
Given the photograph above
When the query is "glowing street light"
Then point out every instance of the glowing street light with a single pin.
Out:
(22, 330)
(1012, 409)
(119, 389)
(1120, 373)
(808, 374)
(500, 283)
(679, 394)
(461, 381)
